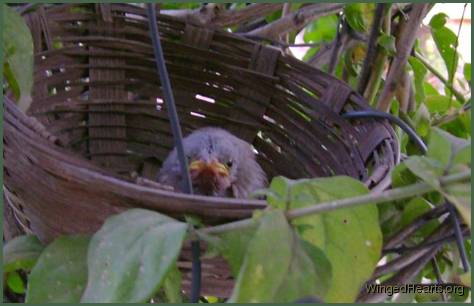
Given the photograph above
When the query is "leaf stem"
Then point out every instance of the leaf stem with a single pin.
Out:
(376, 197)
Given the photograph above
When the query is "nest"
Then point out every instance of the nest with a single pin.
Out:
(98, 130)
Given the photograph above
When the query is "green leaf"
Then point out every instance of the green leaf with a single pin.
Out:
(439, 104)
(429, 170)
(172, 286)
(278, 193)
(21, 253)
(460, 195)
(419, 71)
(463, 155)
(402, 176)
(321, 30)
(439, 147)
(18, 60)
(422, 120)
(387, 42)
(467, 71)
(15, 283)
(233, 246)
(438, 20)
(445, 41)
(277, 267)
(465, 279)
(412, 210)
(348, 243)
(60, 275)
(355, 17)
(130, 256)
(454, 143)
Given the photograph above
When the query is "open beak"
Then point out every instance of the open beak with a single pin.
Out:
(213, 168)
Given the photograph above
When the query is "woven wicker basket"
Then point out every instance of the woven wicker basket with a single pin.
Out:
(98, 120)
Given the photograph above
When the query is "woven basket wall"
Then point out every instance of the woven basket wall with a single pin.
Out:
(98, 120)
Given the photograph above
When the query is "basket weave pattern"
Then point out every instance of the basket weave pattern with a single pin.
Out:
(98, 120)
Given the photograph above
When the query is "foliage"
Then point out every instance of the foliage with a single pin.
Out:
(18, 57)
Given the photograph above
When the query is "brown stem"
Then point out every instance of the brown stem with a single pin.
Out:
(336, 47)
(407, 231)
(402, 92)
(379, 63)
(296, 20)
(407, 36)
(371, 47)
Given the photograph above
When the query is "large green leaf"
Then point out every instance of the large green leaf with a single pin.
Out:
(18, 56)
(21, 253)
(350, 238)
(278, 267)
(130, 256)
(445, 41)
(60, 275)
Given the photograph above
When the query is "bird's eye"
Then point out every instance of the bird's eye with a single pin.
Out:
(229, 164)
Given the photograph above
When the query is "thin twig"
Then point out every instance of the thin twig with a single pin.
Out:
(404, 46)
(439, 279)
(442, 240)
(371, 47)
(459, 236)
(371, 198)
(278, 43)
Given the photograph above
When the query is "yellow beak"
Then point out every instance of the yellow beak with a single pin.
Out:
(214, 166)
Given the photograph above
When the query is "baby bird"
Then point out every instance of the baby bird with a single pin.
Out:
(220, 164)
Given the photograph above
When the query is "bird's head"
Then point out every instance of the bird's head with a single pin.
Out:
(219, 164)
(210, 177)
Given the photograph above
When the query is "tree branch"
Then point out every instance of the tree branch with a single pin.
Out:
(296, 20)
(216, 15)
(407, 37)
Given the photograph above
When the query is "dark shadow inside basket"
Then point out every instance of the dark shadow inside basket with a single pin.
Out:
(97, 89)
